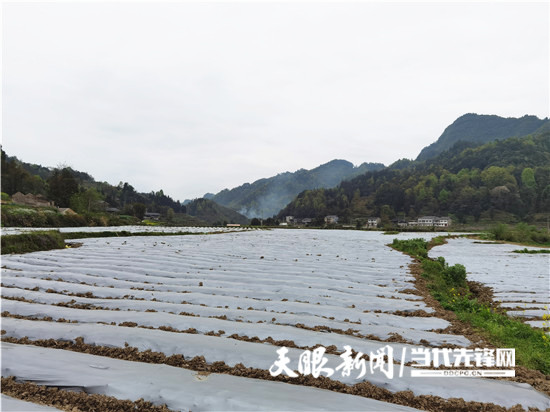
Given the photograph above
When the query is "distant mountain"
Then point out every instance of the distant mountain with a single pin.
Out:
(265, 197)
(213, 213)
(480, 129)
(467, 182)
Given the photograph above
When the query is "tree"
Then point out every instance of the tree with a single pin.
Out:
(139, 210)
(86, 201)
(170, 215)
(62, 186)
(443, 198)
(498, 176)
(528, 189)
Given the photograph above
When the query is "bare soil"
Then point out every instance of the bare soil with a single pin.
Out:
(73, 401)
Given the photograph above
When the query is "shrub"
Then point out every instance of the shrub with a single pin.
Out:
(455, 275)
(32, 242)
(500, 231)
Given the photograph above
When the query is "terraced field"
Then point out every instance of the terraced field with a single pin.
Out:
(195, 322)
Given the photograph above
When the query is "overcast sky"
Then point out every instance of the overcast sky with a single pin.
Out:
(194, 97)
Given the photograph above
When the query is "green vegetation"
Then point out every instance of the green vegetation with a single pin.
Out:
(448, 285)
(501, 181)
(32, 242)
(70, 188)
(266, 197)
(412, 247)
(96, 203)
(27, 216)
(531, 251)
(482, 129)
(213, 213)
(520, 233)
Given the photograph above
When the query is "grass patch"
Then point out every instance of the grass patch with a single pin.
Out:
(32, 242)
(531, 251)
(413, 247)
(521, 233)
(448, 285)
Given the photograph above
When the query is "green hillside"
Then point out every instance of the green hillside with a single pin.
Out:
(96, 203)
(502, 178)
(481, 129)
(213, 213)
(265, 197)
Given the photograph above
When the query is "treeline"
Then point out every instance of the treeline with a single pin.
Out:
(467, 182)
(69, 188)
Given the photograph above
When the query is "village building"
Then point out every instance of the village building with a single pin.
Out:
(400, 222)
(426, 220)
(443, 222)
(331, 219)
(373, 222)
(31, 200)
(434, 221)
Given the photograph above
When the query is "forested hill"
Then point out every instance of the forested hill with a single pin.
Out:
(78, 190)
(213, 213)
(509, 177)
(482, 129)
(265, 197)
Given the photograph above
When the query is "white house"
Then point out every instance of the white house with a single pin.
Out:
(427, 220)
(331, 219)
(443, 222)
(373, 221)
(432, 221)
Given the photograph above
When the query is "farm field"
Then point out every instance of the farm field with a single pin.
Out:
(131, 229)
(195, 322)
(520, 281)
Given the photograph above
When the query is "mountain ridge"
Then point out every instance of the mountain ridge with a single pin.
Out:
(510, 176)
(267, 196)
(480, 129)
